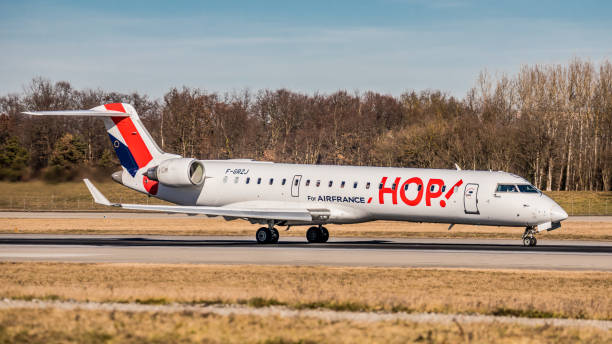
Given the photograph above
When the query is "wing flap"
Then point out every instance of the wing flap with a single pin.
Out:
(270, 214)
(276, 214)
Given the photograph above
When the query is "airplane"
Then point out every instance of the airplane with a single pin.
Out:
(278, 194)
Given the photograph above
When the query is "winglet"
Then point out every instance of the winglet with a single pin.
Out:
(96, 194)
(457, 167)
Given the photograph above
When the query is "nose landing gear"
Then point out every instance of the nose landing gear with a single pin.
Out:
(317, 234)
(529, 238)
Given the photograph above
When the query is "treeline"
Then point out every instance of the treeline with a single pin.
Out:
(551, 124)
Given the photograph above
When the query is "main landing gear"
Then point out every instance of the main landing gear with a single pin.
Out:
(529, 238)
(267, 235)
(317, 234)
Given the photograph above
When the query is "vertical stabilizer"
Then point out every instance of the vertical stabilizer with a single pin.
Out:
(133, 144)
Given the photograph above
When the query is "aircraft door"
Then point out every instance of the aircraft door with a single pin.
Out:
(470, 199)
(295, 185)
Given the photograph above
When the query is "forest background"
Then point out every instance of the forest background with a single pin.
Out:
(551, 124)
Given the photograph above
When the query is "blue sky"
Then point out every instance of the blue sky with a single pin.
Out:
(389, 46)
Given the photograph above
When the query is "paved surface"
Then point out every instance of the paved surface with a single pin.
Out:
(126, 215)
(466, 253)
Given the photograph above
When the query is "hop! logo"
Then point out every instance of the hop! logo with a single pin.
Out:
(434, 189)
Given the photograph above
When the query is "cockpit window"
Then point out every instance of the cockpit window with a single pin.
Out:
(527, 188)
(506, 188)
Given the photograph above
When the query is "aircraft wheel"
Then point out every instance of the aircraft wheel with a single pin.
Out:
(313, 234)
(324, 234)
(275, 236)
(534, 241)
(526, 241)
(263, 235)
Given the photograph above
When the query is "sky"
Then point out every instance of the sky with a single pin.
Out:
(388, 46)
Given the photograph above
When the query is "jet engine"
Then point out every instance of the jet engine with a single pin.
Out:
(178, 172)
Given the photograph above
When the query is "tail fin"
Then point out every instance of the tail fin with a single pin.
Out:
(133, 144)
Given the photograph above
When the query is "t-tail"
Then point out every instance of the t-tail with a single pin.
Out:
(134, 146)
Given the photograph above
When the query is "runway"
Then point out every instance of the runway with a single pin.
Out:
(389, 252)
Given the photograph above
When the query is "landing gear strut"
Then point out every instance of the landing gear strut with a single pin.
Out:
(529, 238)
(317, 234)
(267, 235)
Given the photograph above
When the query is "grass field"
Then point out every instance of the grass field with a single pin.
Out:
(574, 230)
(522, 293)
(84, 326)
(37, 195)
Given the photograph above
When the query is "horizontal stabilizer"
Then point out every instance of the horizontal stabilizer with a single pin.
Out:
(254, 213)
(90, 113)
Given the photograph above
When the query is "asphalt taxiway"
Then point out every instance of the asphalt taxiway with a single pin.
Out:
(389, 252)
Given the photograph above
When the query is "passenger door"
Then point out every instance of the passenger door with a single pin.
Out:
(470, 199)
(295, 185)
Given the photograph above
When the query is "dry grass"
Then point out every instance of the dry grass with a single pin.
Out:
(531, 293)
(38, 195)
(577, 230)
(61, 326)
(584, 202)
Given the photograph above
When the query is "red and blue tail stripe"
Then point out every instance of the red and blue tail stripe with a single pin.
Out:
(127, 141)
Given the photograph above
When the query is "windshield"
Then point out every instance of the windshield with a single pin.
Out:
(524, 188)
(506, 188)
(528, 188)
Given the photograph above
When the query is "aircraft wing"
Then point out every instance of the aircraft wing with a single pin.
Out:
(254, 213)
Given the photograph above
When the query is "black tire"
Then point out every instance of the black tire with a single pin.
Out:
(534, 241)
(526, 241)
(263, 235)
(275, 236)
(313, 234)
(324, 234)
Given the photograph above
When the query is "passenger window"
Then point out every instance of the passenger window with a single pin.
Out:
(380, 186)
(236, 180)
(331, 183)
(258, 181)
(367, 185)
(248, 180)
(443, 188)
(297, 181)
(284, 181)
(506, 188)
(342, 184)
(419, 188)
(271, 181)
(318, 183)
(431, 189)
(307, 182)
(393, 186)
(406, 187)
(355, 185)
(225, 179)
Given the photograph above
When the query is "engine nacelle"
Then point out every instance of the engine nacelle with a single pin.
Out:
(178, 172)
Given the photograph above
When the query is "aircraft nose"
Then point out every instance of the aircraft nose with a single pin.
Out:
(557, 213)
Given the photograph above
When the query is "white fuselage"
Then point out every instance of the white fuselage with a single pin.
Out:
(350, 194)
